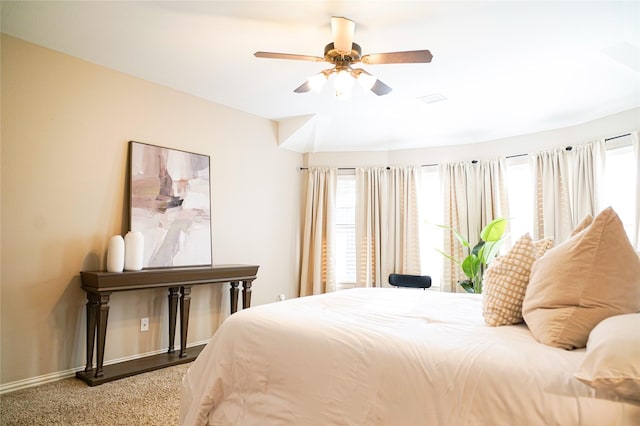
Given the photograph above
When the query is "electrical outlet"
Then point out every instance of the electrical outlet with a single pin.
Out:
(144, 324)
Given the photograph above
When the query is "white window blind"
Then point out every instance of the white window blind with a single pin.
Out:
(520, 192)
(346, 231)
(431, 211)
(619, 185)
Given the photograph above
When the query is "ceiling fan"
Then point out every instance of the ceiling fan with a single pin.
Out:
(342, 53)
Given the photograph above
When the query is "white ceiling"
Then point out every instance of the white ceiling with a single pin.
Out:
(505, 68)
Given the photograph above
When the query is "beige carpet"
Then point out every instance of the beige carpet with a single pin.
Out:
(146, 399)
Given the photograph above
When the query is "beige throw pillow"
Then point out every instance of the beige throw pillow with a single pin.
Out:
(612, 360)
(582, 225)
(506, 279)
(593, 275)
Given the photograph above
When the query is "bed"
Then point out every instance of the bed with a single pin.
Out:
(386, 356)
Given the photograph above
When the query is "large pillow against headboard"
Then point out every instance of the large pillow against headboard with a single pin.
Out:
(593, 275)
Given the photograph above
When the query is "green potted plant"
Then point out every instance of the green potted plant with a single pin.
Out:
(474, 265)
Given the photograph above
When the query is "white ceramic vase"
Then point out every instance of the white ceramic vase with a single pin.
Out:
(115, 254)
(133, 251)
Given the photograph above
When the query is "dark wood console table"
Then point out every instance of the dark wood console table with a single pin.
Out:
(99, 286)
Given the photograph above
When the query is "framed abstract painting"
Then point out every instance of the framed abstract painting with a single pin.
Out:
(170, 205)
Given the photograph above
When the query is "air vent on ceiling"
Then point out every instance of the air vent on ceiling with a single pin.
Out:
(433, 98)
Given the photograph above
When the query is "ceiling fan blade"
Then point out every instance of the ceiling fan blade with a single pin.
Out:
(343, 30)
(272, 55)
(410, 57)
(370, 82)
(380, 89)
(303, 88)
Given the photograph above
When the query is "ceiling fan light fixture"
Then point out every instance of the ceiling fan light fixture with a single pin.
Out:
(316, 82)
(366, 80)
(343, 82)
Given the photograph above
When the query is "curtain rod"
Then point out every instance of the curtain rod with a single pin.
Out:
(616, 137)
(568, 148)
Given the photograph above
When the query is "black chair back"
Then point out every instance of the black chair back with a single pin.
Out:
(414, 281)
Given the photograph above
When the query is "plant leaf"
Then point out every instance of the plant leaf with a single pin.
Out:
(491, 250)
(458, 235)
(467, 285)
(494, 229)
(471, 265)
(477, 248)
(484, 249)
(448, 256)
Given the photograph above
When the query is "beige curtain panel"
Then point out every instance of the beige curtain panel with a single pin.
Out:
(387, 224)
(317, 272)
(474, 195)
(566, 188)
(371, 225)
(404, 256)
(587, 171)
(551, 208)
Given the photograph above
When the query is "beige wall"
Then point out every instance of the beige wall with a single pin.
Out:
(65, 129)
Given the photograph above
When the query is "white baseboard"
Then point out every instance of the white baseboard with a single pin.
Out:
(65, 374)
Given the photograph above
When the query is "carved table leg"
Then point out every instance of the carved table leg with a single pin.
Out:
(93, 301)
(102, 317)
(233, 290)
(173, 314)
(246, 294)
(185, 303)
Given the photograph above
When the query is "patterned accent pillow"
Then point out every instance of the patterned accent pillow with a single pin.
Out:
(543, 245)
(505, 281)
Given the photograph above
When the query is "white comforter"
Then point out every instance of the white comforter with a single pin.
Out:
(386, 357)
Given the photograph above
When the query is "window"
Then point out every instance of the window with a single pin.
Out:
(520, 193)
(431, 215)
(345, 232)
(618, 186)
